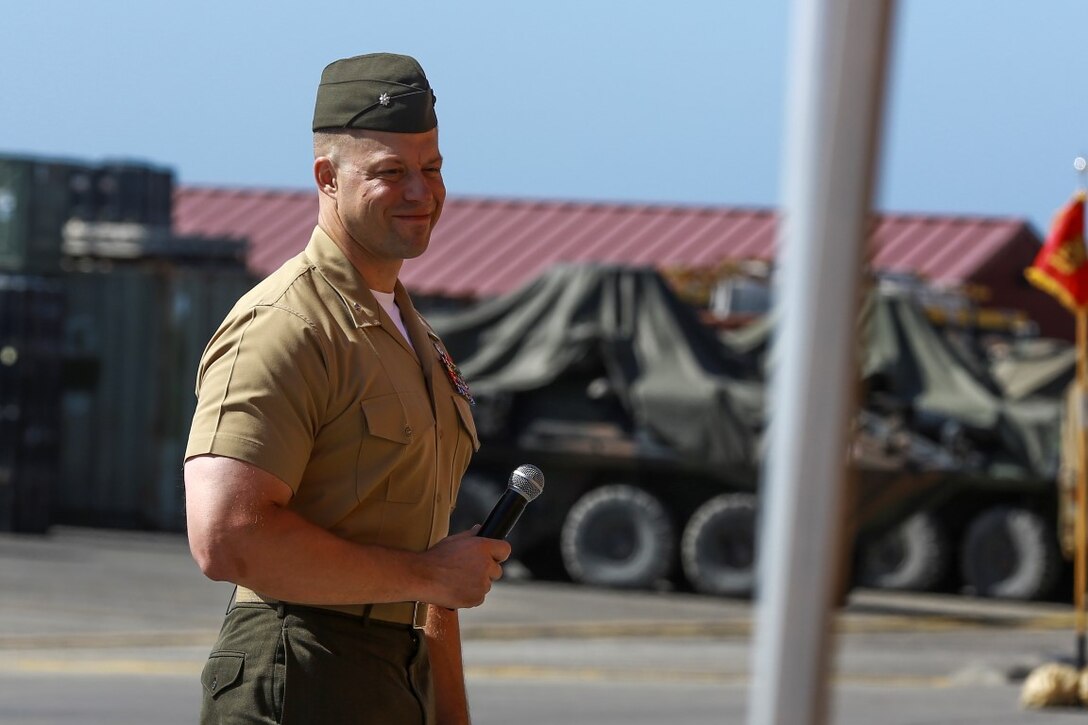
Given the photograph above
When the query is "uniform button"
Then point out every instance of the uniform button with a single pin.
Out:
(215, 682)
(357, 306)
(408, 431)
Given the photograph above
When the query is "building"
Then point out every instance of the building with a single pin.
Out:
(484, 246)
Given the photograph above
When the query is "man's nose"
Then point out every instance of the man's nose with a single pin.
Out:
(416, 187)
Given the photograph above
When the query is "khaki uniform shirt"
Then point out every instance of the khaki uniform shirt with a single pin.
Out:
(309, 380)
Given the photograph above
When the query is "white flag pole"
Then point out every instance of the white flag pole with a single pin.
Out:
(839, 50)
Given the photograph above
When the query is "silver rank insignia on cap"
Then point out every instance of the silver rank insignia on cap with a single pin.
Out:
(384, 99)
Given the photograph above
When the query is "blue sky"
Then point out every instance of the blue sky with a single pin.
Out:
(678, 102)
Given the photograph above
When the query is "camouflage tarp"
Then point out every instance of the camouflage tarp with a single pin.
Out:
(674, 378)
(702, 394)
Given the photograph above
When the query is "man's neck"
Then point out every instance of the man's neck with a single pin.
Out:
(377, 274)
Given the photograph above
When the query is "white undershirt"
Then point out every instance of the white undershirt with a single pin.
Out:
(388, 303)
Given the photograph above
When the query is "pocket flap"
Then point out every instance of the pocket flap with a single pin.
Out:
(386, 418)
(222, 670)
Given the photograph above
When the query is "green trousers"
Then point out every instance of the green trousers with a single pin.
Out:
(305, 666)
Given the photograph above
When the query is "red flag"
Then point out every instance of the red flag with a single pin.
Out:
(1061, 267)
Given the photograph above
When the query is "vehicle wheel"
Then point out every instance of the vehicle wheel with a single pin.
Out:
(617, 536)
(718, 549)
(914, 556)
(475, 499)
(1010, 553)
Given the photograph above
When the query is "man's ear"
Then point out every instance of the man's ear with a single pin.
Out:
(325, 175)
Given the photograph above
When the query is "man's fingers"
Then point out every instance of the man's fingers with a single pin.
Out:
(500, 552)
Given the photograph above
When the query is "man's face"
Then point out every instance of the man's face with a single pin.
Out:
(390, 192)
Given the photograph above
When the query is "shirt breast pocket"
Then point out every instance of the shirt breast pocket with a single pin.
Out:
(392, 454)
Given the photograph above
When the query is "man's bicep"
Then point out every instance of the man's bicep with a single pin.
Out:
(225, 502)
(220, 490)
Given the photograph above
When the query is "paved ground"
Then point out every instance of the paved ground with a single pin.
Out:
(86, 586)
(132, 607)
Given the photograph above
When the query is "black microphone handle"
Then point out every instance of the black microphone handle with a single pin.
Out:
(503, 517)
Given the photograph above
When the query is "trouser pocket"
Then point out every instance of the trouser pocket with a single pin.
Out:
(242, 681)
(222, 671)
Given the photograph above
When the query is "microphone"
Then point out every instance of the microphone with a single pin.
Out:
(526, 483)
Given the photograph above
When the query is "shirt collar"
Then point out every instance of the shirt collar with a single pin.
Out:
(336, 268)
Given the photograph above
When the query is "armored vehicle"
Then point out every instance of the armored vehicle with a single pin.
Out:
(648, 426)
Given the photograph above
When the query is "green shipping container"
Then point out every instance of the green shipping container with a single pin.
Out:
(36, 199)
(31, 314)
(133, 337)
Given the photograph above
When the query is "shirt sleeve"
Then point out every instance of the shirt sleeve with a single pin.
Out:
(261, 390)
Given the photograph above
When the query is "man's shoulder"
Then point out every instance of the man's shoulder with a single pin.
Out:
(283, 312)
(296, 287)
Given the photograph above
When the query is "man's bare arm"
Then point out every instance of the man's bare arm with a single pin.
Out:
(240, 530)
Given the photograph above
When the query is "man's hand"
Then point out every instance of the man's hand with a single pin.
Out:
(465, 566)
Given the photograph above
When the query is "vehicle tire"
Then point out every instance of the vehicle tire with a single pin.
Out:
(718, 549)
(914, 556)
(617, 536)
(1010, 553)
(475, 499)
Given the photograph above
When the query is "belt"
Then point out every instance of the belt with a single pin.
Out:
(413, 614)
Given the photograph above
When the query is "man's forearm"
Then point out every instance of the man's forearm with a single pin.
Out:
(282, 555)
(241, 530)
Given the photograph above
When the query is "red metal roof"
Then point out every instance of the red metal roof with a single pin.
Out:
(483, 247)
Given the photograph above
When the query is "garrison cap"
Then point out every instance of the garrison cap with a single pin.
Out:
(377, 91)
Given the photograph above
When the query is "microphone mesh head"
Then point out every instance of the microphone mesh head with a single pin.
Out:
(527, 480)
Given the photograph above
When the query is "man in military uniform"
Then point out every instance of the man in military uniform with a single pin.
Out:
(329, 440)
